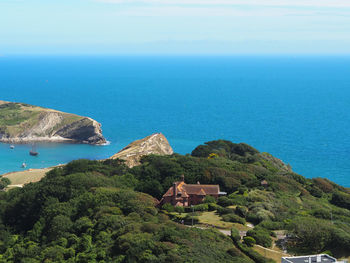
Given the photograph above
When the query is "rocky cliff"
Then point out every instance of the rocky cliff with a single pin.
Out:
(153, 144)
(23, 123)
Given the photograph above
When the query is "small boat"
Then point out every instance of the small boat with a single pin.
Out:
(24, 165)
(12, 147)
(33, 151)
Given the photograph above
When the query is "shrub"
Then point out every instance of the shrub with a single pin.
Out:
(234, 252)
(261, 236)
(341, 199)
(225, 201)
(241, 211)
(323, 184)
(168, 207)
(249, 241)
(4, 182)
(180, 209)
(225, 210)
(233, 218)
(201, 207)
(271, 225)
(213, 207)
(235, 234)
(209, 199)
(238, 199)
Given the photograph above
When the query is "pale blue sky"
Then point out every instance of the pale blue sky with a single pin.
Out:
(174, 26)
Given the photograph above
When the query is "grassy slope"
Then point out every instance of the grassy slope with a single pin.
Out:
(15, 118)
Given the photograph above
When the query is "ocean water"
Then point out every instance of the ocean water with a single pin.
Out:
(296, 108)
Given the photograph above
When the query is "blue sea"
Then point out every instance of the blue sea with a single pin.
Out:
(297, 108)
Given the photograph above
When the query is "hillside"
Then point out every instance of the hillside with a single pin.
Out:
(23, 123)
(89, 211)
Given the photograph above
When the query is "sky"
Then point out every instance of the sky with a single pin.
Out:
(174, 27)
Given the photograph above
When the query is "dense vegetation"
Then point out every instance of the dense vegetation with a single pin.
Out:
(314, 211)
(88, 212)
(91, 211)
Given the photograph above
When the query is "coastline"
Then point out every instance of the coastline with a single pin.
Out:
(19, 140)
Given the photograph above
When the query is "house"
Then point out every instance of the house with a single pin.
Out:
(264, 183)
(182, 194)
(323, 258)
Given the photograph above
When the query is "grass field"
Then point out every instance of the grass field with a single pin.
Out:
(211, 218)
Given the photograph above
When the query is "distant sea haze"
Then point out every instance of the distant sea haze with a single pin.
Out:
(296, 108)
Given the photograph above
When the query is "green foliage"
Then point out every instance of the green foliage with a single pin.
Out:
(261, 236)
(249, 241)
(209, 199)
(341, 199)
(315, 235)
(233, 218)
(235, 234)
(168, 207)
(225, 201)
(201, 207)
(92, 211)
(241, 151)
(4, 182)
(241, 211)
(86, 212)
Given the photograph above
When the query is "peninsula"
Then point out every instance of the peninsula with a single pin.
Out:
(24, 123)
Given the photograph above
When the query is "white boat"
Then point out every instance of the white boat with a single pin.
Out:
(24, 165)
(12, 147)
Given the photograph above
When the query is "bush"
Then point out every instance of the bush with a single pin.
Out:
(225, 210)
(341, 199)
(238, 199)
(168, 207)
(213, 207)
(201, 207)
(271, 225)
(225, 201)
(241, 211)
(233, 218)
(209, 199)
(179, 209)
(234, 252)
(235, 234)
(261, 236)
(249, 241)
(4, 182)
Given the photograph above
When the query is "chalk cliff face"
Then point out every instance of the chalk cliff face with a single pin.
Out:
(153, 144)
(23, 123)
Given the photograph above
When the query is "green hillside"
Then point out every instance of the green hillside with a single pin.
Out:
(90, 211)
(16, 118)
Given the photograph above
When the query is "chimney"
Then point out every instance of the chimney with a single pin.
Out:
(318, 258)
(182, 178)
(174, 193)
(310, 260)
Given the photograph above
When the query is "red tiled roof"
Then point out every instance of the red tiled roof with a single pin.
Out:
(193, 189)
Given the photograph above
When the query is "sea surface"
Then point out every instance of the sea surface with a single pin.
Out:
(297, 108)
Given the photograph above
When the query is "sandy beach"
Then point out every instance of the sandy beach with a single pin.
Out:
(18, 179)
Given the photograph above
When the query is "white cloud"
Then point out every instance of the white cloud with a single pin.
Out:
(247, 3)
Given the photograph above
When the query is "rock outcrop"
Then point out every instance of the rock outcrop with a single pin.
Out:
(153, 144)
(23, 123)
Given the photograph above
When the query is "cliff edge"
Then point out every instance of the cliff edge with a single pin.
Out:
(153, 144)
(24, 123)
